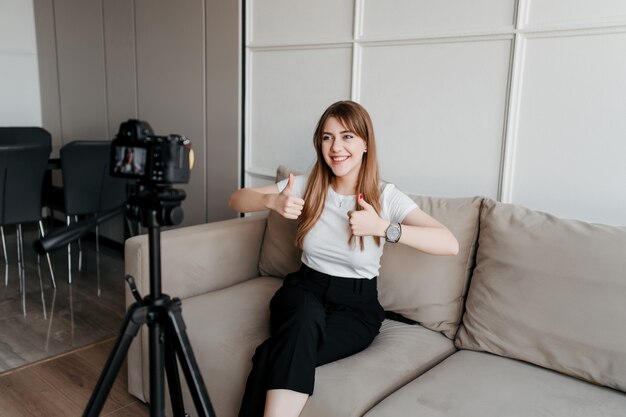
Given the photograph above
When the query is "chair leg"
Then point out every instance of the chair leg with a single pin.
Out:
(41, 231)
(80, 250)
(69, 255)
(17, 241)
(4, 246)
(6, 259)
(43, 299)
(21, 266)
(20, 250)
(54, 298)
(98, 258)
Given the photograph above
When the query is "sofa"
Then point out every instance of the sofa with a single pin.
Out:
(529, 319)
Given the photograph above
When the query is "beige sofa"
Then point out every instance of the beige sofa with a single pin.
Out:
(528, 320)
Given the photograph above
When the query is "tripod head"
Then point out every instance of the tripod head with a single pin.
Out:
(155, 205)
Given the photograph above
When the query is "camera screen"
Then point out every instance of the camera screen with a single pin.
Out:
(130, 160)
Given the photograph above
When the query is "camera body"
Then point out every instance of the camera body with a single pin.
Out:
(137, 153)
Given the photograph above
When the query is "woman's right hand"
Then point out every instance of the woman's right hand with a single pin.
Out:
(285, 204)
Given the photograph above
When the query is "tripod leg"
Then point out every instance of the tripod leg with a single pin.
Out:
(187, 360)
(171, 370)
(135, 317)
(157, 359)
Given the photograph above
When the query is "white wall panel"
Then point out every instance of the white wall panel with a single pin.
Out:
(289, 90)
(571, 142)
(406, 18)
(298, 21)
(20, 103)
(19, 79)
(445, 88)
(17, 26)
(439, 111)
(576, 12)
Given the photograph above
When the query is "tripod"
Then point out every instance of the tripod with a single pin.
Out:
(167, 336)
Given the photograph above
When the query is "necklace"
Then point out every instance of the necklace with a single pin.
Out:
(342, 201)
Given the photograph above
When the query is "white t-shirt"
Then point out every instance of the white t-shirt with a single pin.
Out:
(326, 246)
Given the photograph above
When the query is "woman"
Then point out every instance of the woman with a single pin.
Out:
(128, 164)
(329, 309)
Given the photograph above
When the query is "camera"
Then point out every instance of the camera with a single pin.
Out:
(137, 153)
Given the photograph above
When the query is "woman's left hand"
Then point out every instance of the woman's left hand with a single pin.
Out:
(366, 222)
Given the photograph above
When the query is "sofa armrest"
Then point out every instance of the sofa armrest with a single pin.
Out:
(198, 259)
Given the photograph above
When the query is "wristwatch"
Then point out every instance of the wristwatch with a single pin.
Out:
(393, 233)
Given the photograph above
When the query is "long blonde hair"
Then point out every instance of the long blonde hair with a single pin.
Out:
(356, 119)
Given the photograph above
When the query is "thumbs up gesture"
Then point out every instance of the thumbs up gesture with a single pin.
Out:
(285, 204)
(366, 222)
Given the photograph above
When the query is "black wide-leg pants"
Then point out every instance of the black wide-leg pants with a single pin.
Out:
(315, 319)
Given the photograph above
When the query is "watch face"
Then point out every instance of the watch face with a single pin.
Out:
(393, 233)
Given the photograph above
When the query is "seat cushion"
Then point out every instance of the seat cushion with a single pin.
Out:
(351, 386)
(551, 292)
(476, 384)
(226, 326)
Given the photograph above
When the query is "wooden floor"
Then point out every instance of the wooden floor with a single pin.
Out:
(61, 386)
(38, 321)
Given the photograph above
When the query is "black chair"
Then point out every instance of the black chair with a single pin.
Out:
(88, 189)
(24, 153)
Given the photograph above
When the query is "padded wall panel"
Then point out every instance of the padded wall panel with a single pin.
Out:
(405, 18)
(570, 145)
(438, 111)
(280, 21)
(574, 12)
(289, 91)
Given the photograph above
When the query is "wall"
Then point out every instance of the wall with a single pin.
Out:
(521, 101)
(172, 64)
(19, 78)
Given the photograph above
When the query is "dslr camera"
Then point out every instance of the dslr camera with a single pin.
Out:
(137, 153)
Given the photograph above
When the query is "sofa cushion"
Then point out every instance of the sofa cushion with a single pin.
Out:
(279, 254)
(424, 288)
(431, 289)
(226, 326)
(474, 384)
(551, 292)
(351, 386)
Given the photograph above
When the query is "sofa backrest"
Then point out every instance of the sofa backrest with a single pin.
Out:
(431, 289)
(550, 292)
(424, 288)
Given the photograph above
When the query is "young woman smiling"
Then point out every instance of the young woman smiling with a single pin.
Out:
(329, 308)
